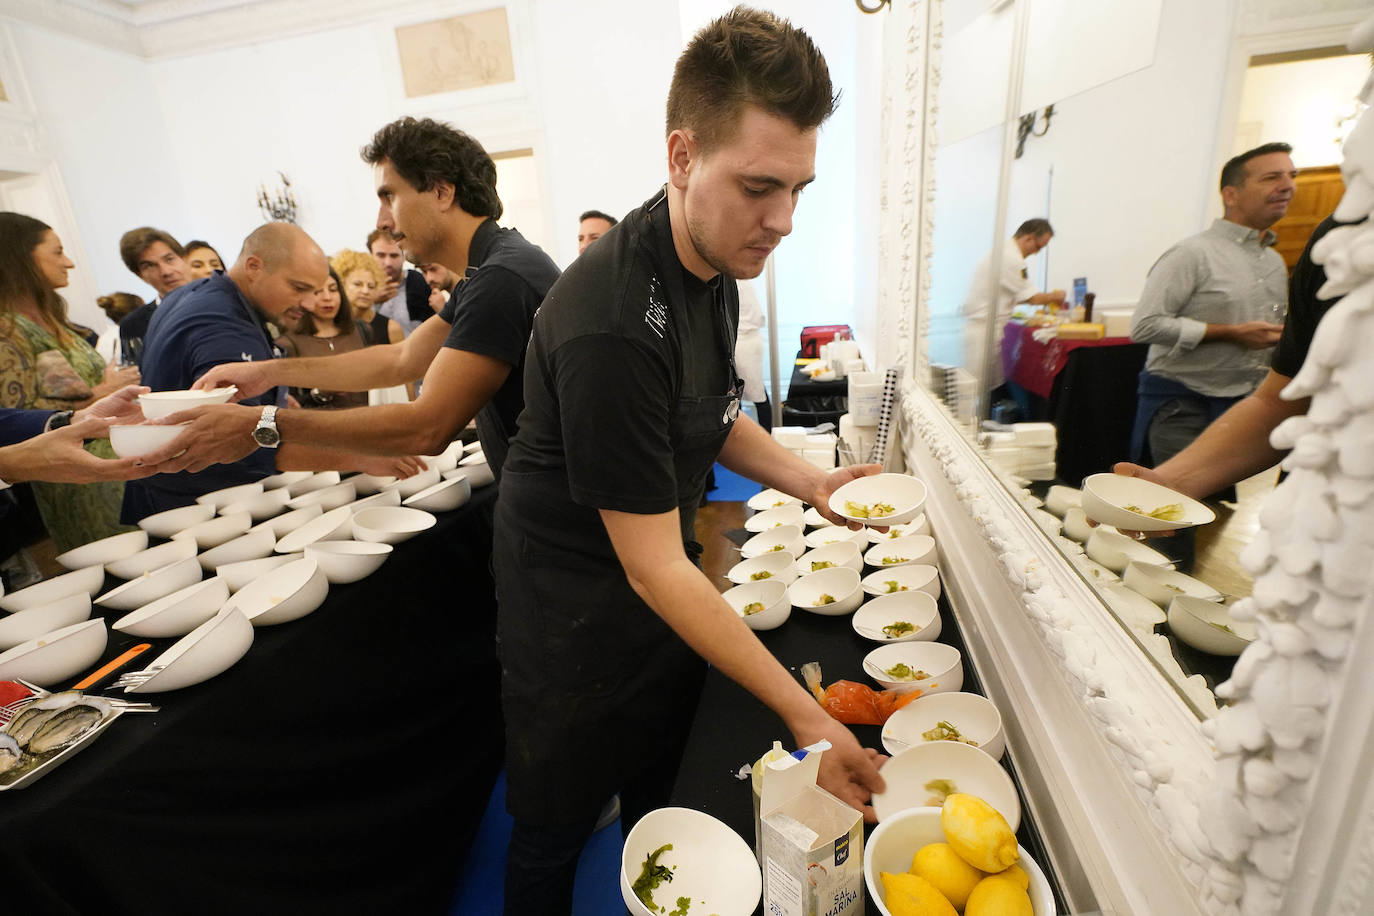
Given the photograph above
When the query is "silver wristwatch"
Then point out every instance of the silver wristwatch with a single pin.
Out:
(265, 433)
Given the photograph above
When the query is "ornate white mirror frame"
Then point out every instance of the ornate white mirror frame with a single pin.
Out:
(1266, 809)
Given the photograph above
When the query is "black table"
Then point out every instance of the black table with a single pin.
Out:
(342, 765)
(1092, 407)
(811, 403)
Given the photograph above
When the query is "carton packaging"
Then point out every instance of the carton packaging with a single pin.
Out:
(811, 842)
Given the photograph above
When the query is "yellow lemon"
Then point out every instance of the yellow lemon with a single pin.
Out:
(951, 875)
(978, 833)
(910, 895)
(1017, 875)
(996, 896)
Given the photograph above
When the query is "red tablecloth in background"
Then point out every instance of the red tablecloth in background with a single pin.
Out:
(1032, 364)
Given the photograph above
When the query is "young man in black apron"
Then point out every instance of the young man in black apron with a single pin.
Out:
(631, 395)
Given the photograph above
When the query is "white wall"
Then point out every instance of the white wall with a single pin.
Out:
(1300, 103)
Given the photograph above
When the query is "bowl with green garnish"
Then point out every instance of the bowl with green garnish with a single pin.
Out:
(924, 774)
(831, 592)
(1209, 627)
(963, 718)
(762, 604)
(1162, 585)
(930, 667)
(880, 499)
(774, 540)
(773, 565)
(917, 549)
(1135, 504)
(678, 860)
(839, 553)
(908, 616)
(790, 514)
(911, 577)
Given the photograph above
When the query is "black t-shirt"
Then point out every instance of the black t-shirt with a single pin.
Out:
(491, 312)
(1305, 310)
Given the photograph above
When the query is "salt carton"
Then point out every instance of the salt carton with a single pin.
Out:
(812, 843)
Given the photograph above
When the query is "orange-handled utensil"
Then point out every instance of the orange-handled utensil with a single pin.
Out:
(101, 673)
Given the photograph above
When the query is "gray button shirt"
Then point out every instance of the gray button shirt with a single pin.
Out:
(1226, 274)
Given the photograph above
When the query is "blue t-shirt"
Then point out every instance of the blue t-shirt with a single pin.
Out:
(197, 327)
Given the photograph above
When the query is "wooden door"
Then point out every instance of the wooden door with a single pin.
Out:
(1319, 190)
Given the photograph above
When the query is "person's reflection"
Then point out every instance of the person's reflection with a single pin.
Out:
(1013, 287)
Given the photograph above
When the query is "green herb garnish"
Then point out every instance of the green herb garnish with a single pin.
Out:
(651, 875)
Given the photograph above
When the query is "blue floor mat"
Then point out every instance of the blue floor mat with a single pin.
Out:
(480, 882)
(731, 488)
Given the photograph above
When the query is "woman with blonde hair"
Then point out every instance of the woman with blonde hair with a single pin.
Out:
(46, 363)
(326, 328)
(360, 279)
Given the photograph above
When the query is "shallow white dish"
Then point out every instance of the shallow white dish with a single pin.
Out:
(836, 534)
(251, 546)
(217, 530)
(970, 770)
(331, 497)
(145, 561)
(390, 524)
(1116, 551)
(941, 662)
(239, 575)
(285, 479)
(55, 656)
(444, 496)
(413, 484)
(151, 586)
(478, 472)
(88, 580)
(105, 550)
(158, 404)
(790, 514)
(914, 607)
(1076, 525)
(778, 566)
(474, 446)
(259, 506)
(787, 537)
(918, 525)
(839, 553)
(771, 593)
(812, 518)
(912, 577)
(770, 499)
(840, 583)
(367, 484)
(893, 843)
(132, 441)
(1106, 496)
(974, 716)
(1135, 611)
(333, 525)
(1162, 585)
(384, 498)
(178, 613)
(44, 618)
(201, 654)
(1198, 623)
(711, 864)
(283, 594)
(287, 522)
(446, 460)
(904, 493)
(914, 550)
(316, 481)
(165, 524)
(229, 495)
(1060, 499)
(348, 561)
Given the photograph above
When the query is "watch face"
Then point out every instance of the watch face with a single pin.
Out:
(266, 436)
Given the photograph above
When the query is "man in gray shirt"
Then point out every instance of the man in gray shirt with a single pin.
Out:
(1210, 309)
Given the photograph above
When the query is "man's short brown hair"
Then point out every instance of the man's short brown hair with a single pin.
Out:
(134, 242)
(377, 234)
(748, 57)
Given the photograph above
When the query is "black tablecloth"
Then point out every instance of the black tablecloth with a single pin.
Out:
(811, 403)
(341, 766)
(1092, 406)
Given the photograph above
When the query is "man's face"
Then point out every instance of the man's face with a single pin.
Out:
(203, 262)
(388, 253)
(1031, 244)
(285, 293)
(1263, 198)
(741, 195)
(589, 230)
(162, 268)
(410, 215)
(438, 276)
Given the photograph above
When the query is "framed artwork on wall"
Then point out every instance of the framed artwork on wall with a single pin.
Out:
(460, 52)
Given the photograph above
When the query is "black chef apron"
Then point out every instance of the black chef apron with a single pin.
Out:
(596, 688)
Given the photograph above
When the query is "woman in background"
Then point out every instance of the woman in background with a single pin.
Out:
(360, 277)
(45, 363)
(202, 259)
(116, 306)
(326, 328)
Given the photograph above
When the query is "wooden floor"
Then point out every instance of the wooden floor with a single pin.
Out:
(713, 520)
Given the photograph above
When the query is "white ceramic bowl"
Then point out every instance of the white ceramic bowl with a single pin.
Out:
(178, 613)
(239, 575)
(1076, 525)
(252, 546)
(57, 655)
(711, 864)
(478, 473)
(316, 481)
(771, 593)
(840, 583)
(1135, 611)
(390, 524)
(941, 662)
(367, 484)
(444, 496)
(285, 479)
(413, 484)
(778, 566)
(912, 577)
(340, 494)
(217, 530)
(893, 843)
(836, 534)
(287, 522)
(919, 525)
(151, 586)
(771, 499)
(1060, 499)
(790, 514)
(166, 524)
(1198, 622)
(1116, 551)
(474, 446)
(970, 771)
(384, 498)
(44, 618)
(159, 404)
(974, 716)
(1163, 585)
(904, 493)
(105, 550)
(788, 538)
(132, 441)
(446, 460)
(88, 580)
(915, 550)
(227, 495)
(348, 561)
(1106, 496)
(1094, 571)
(259, 506)
(812, 518)
(286, 593)
(333, 525)
(914, 607)
(840, 553)
(201, 654)
(145, 561)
